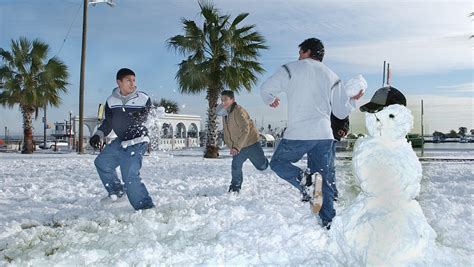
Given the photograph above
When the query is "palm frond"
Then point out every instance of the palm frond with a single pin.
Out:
(238, 19)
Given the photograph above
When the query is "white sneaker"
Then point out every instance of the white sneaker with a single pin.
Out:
(113, 199)
(317, 200)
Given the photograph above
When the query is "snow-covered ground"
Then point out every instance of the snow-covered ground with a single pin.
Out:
(50, 214)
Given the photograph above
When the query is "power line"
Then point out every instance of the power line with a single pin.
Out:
(70, 27)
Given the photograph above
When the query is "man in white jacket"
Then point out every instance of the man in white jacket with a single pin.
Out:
(313, 92)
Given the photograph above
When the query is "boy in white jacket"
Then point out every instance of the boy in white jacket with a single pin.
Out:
(313, 92)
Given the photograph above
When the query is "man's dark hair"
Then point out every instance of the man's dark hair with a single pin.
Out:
(228, 93)
(124, 72)
(316, 47)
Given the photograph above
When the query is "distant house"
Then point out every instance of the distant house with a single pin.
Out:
(267, 140)
(62, 130)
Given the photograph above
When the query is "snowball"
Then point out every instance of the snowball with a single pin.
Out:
(354, 85)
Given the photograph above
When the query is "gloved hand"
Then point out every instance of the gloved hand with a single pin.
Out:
(95, 141)
(137, 115)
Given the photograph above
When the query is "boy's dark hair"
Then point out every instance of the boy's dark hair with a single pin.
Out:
(316, 47)
(228, 93)
(124, 72)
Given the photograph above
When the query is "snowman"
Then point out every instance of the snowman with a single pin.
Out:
(385, 226)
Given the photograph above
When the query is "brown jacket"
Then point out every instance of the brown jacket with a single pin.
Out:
(239, 131)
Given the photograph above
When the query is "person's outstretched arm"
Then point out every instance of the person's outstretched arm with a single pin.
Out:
(345, 95)
(274, 85)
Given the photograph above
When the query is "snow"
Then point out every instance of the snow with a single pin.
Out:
(51, 214)
(355, 85)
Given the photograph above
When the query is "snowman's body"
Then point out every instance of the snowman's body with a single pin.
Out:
(385, 225)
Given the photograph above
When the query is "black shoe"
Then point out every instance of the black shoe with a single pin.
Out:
(336, 197)
(306, 179)
(327, 225)
(152, 206)
(307, 186)
(233, 189)
(305, 197)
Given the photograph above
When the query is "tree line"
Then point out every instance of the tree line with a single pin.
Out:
(462, 132)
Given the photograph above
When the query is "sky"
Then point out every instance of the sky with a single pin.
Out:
(426, 43)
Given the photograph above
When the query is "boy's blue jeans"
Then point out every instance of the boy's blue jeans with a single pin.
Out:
(130, 161)
(319, 160)
(255, 154)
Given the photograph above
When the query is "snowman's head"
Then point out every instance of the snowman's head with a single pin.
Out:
(391, 123)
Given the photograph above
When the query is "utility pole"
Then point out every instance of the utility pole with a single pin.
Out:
(388, 74)
(70, 145)
(81, 81)
(83, 67)
(383, 80)
(422, 131)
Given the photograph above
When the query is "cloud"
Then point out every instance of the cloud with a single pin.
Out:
(416, 37)
(465, 88)
(441, 113)
(409, 56)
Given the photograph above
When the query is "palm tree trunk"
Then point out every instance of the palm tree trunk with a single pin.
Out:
(28, 145)
(212, 150)
(45, 126)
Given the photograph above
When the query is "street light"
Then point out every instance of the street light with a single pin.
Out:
(83, 66)
(70, 130)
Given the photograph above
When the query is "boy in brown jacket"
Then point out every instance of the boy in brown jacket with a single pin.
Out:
(241, 138)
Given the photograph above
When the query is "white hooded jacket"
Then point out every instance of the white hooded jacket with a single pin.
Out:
(313, 92)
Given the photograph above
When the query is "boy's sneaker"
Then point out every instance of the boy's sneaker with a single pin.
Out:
(327, 225)
(307, 185)
(113, 198)
(306, 179)
(305, 197)
(317, 199)
(233, 189)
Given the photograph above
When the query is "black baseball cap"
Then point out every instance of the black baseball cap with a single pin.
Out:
(384, 97)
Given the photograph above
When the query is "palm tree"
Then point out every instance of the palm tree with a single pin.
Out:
(169, 105)
(471, 15)
(30, 81)
(220, 55)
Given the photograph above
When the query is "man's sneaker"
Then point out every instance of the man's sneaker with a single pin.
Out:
(327, 225)
(306, 178)
(305, 196)
(317, 199)
(307, 186)
(233, 189)
(113, 198)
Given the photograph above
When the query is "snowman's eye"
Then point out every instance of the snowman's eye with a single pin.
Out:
(391, 116)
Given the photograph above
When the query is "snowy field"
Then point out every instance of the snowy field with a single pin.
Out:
(50, 214)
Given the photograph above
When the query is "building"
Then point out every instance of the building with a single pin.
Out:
(173, 131)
